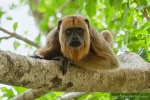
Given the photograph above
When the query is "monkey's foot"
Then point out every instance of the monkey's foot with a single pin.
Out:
(63, 64)
(37, 56)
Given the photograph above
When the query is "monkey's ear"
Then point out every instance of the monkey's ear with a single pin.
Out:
(59, 23)
(87, 22)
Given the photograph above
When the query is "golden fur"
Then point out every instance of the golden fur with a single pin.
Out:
(95, 53)
(69, 52)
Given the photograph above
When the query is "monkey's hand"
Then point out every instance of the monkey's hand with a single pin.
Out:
(64, 63)
(37, 56)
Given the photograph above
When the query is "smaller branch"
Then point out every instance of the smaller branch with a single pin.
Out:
(144, 12)
(13, 34)
(5, 37)
(72, 95)
(30, 94)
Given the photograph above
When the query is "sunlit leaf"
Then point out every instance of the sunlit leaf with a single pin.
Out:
(90, 7)
(25, 32)
(42, 6)
(19, 89)
(9, 18)
(117, 4)
(16, 44)
(1, 13)
(139, 31)
(38, 38)
(144, 2)
(140, 7)
(119, 38)
(15, 25)
(146, 25)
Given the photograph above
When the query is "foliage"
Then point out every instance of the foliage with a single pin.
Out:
(129, 20)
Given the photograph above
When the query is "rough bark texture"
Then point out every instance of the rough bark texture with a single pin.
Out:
(17, 70)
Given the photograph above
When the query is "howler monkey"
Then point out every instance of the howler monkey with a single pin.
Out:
(74, 39)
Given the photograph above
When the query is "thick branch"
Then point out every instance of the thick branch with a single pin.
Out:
(13, 34)
(132, 76)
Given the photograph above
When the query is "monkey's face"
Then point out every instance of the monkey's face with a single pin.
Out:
(74, 36)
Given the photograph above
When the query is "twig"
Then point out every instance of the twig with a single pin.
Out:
(5, 37)
(144, 12)
(13, 34)
(30, 94)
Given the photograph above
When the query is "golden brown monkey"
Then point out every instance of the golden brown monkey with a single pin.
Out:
(74, 39)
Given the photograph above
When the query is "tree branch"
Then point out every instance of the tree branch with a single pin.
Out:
(30, 94)
(5, 37)
(72, 95)
(17, 70)
(144, 12)
(13, 34)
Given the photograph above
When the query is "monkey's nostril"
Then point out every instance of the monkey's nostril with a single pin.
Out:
(75, 38)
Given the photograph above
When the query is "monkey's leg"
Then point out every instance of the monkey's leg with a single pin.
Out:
(108, 37)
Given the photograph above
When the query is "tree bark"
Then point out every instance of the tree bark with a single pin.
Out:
(133, 75)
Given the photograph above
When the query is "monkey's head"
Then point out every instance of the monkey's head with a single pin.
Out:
(74, 36)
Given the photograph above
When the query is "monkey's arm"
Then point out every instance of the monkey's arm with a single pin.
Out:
(52, 46)
(51, 50)
(101, 56)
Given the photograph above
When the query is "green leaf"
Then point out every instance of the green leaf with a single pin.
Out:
(16, 44)
(42, 6)
(1, 13)
(148, 40)
(19, 89)
(130, 19)
(146, 25)
(143, 53)
(119, 38)
(38, 38)
(139, 31)
(15, 25)
(25, 32)
(117, 4)
(9, 18)
(111, 2)
(144, 2)
(90, 7)
(141, 6)
(140, 36)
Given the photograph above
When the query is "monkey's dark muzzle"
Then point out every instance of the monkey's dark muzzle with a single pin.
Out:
(75, 43)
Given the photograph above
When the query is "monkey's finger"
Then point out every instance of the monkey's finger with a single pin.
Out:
(65, 66)
(37, 56)
(61, 63)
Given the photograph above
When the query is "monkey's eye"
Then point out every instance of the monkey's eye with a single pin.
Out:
(80, 30)
(68, 31)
